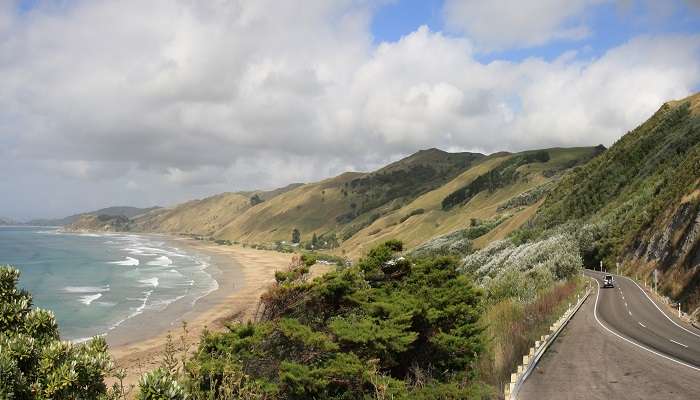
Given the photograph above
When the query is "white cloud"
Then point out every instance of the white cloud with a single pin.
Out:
(178, 99)
(500, 24)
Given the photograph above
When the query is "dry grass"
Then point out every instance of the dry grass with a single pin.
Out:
(513, 328)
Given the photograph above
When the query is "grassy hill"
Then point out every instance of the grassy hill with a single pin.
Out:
(492, 195)
(123, 211)
(425, 217)
(640, 200)
(342, 206)
(206, 216)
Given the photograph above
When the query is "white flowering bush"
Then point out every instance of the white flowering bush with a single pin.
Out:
(34, 363)
(510, 271)
(160, 384)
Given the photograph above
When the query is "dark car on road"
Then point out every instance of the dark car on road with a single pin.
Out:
(608, 281)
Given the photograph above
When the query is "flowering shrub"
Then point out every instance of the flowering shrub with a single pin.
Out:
(34, 363)
(160, 385)
(507, 270)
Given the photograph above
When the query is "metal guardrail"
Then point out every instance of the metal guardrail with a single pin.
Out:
(530, 360)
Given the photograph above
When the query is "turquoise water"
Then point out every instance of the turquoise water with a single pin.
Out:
(95, 282)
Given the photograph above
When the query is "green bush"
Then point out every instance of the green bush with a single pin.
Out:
(417, 211)
(34, 363)
(355, 333)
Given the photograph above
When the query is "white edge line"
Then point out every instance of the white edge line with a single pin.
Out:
(595, 314)
(661, 311)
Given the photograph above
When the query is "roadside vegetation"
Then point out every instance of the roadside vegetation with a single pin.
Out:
(391, 326)
(642, 197)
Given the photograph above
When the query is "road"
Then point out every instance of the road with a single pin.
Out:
(630, 312)
(619, 346)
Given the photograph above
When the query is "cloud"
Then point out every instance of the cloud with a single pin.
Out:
(180, 99)
(502, 24)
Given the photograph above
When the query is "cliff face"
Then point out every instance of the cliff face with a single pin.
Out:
(672, 245)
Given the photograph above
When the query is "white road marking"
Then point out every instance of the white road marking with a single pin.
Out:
(625, 304)
(678, 343)
(661, 311)
(595, 314)
(630, 312)
(643, 326)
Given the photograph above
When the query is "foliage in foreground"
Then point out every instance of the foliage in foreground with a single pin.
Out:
(384, 328)
(34, 363)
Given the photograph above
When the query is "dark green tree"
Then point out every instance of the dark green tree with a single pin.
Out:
(255, 200)
(296, 236)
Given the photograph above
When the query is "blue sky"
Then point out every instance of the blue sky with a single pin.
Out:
(611, 23)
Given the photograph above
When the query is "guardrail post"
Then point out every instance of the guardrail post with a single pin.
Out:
(534, 354)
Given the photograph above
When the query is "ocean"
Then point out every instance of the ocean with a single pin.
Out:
(95, 282)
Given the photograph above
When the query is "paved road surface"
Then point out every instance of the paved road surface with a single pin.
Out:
(588, 361)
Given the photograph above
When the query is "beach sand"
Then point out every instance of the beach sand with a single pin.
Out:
(243, 274)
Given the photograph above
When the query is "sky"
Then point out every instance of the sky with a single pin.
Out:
(126, 102)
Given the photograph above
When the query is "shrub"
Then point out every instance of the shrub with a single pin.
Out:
(351, 334)
(417, 211)
(519, 271)
(160, 385)
(34, 363)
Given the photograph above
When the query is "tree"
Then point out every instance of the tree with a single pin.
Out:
(34, 362)
(296, 236)
(314, 241)
(255, 200)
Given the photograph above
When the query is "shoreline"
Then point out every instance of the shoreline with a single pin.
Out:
(242, 274)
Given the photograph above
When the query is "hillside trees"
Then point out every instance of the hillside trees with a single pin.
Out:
(255, 200)
(504, 174)
(296, 236)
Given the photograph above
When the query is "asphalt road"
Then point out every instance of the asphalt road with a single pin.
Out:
(630, 312)
(605, 353)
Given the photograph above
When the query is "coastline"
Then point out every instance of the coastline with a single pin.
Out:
(242, 274)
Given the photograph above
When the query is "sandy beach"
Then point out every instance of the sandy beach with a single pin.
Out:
(243, 274)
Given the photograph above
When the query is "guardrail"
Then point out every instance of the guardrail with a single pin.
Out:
(530, 360)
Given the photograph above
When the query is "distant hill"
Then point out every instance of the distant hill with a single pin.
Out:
(7, 221)
(204, 216)
(101, 222)
(516, 185)
(337, 208)
(641, 199)
(405, 199)
(129, 212)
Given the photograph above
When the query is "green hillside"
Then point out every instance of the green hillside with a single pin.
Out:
(523, 181)
(640, 200)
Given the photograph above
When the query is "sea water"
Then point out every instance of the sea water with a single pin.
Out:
(95, 282)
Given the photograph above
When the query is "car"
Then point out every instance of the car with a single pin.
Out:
(608, 281)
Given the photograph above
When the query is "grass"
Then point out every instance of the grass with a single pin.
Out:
(513, 328)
